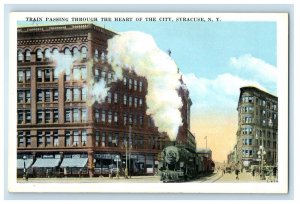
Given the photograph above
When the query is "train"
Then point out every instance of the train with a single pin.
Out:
(179, 164)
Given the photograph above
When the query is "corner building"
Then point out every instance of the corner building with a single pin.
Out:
(58, 131)
(257, 127)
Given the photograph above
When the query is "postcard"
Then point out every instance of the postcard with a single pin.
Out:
(148, 102)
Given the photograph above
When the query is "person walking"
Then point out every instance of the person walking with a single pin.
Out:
(237, 171)
(253, 172)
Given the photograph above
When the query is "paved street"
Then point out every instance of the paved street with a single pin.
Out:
(244, 177)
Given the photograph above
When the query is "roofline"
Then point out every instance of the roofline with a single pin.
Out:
(257, 89)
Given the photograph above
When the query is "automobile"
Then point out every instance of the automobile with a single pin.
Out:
(228, 170)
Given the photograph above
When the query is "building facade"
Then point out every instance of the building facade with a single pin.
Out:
(59, 132)
(257, 128)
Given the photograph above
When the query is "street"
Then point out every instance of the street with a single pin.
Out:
(216, 177)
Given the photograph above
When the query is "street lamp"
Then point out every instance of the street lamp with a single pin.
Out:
(24, 169)
(261, 154)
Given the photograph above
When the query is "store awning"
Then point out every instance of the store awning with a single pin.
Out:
(74, 162)
(46, 162)
(20, 163)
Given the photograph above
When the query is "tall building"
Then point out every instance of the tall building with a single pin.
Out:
(59, 131)
(257, 127)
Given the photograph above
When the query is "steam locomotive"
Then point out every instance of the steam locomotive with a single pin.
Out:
(179, 164)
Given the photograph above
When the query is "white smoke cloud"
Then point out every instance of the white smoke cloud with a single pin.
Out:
(138, 52)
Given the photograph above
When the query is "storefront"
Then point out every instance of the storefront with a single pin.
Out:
(46, 166)
(74, 165)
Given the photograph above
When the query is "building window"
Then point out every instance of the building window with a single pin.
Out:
(141, 102)
(68, 52)
(135, 84)
(130, 119)
(84, 52)
(20, 56)
(20, 76)
(103, 56)
(97, 115)
(96, 74)
(39, 138)
(68, 115)
(76, 73)
(55, 98)
(135, 102)
(67, 75)
(103, 116)
(109, 97)
(125, 118)
(28, 116)
(48, 137)
(125, 81)
(55, 116)
(103, 139)
(55, 138)
(47, 54)
(134, 119)
(20, 138)
(75, 115)
(109, 77)
(28, 138)
(27, 55)
(75, 138)
(39, 55)
(28, 76)
(47, 75)
(47, 116)
(20, 96)
(141, 120)
(40, 95)
(47, 95)
(115, 98)
(130, 83)
(39, 116)
(116, 139)
(68, 138)
(125, 99)
(109, 139)
(76, 52)
(83, 73)
(141, 86)
(40, 75)
(27, 96)
(68, 94)
(116, 118)
(76, 94)
(83, 138)
(83, 115)
(109, 116)
(103, 74)
(83, 94)
(130, 101)
(96, 53)
(97, 138)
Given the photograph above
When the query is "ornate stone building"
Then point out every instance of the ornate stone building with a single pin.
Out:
(257, 127)
(59, 132)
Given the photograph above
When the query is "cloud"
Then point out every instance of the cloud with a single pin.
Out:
(255, 68)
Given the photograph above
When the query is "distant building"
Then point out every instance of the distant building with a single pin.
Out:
(257, 127)
(232, 157)
(58, 132)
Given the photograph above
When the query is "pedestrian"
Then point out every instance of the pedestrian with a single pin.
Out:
(224, 171)
(237, 171)
(253, 172)
(80, 172)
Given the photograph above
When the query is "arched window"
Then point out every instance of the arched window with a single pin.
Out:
(84, 52)
(96, 54)
(27, 55)
(47, 54)
(55, 51)
(103, 56)
(39, 55)
(76, 52)
(67, 51)
(20, 56)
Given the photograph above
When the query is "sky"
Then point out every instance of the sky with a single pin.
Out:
(215, 59)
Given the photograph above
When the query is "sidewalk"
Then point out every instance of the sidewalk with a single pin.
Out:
(244, 177)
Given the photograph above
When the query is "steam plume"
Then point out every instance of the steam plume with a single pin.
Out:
(138, 51)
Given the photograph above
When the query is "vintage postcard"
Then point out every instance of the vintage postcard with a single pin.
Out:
(148, 102)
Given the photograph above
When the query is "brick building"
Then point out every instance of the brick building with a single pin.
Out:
(58, 131)
(257, 127)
